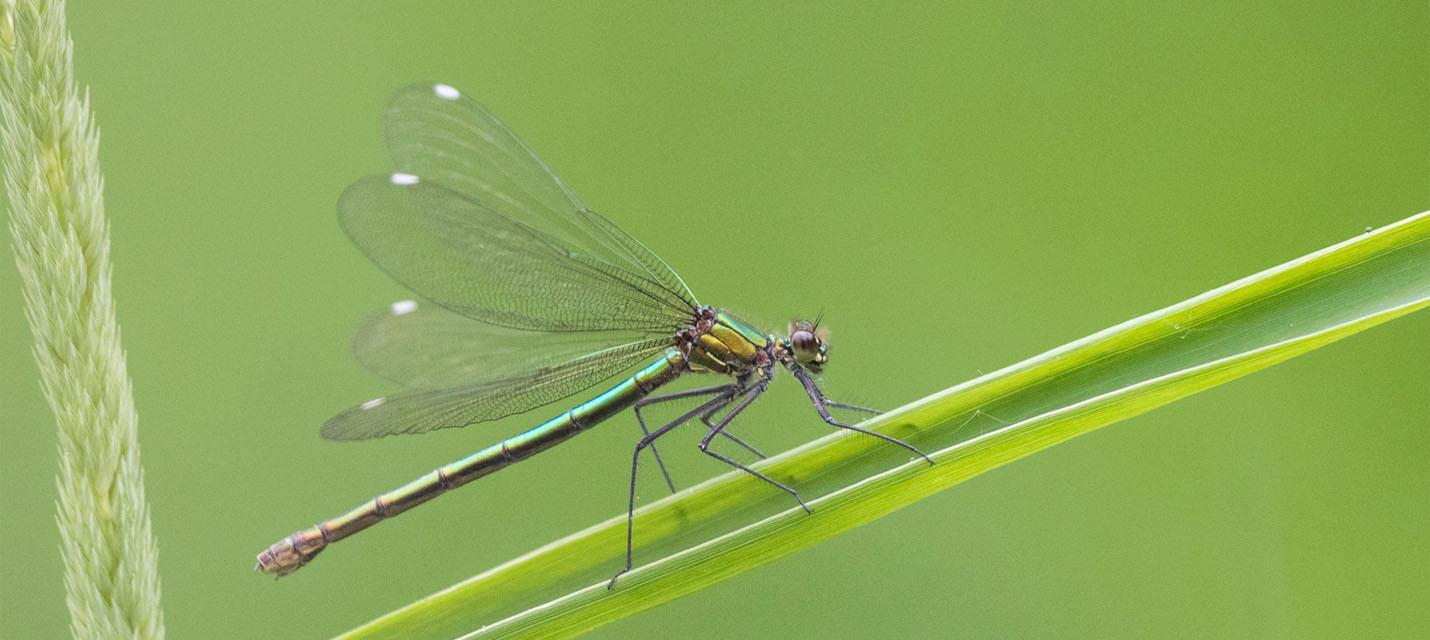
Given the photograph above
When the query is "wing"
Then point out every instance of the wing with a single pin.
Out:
(426, 409)
(423, 345)
(435, 132)
(476, 223)
(467, 257)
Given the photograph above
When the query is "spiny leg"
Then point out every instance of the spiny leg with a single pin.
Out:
(722, 397)
(715, 430)
(711, 425)
(852, 407)
(817, 397)
(650, 400)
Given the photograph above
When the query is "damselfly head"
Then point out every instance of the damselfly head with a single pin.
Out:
(810, 344)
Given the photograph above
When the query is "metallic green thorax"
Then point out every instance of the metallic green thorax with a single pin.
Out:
(730, 345)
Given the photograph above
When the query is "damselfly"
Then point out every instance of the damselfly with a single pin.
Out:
(529, 297)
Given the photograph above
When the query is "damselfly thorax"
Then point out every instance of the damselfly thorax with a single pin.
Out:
(719, 342)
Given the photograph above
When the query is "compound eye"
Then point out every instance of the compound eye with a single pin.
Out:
(809, 350)
(804, 341)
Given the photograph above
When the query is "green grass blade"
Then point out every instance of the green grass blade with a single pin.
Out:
(733, 523)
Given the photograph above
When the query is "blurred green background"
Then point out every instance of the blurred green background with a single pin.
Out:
(957, 187)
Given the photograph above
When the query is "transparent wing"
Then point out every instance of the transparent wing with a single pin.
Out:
(476, 223)
(468, 257)
(423, 345)
(435, 132)
(427, 409)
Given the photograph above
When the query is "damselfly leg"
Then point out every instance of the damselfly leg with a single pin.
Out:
(719, 427)
(680, 395)
(721, 398)
(709, 415)
(822, 404)
(851, 407)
